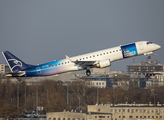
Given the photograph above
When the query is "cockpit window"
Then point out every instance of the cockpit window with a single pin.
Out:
(149, 43)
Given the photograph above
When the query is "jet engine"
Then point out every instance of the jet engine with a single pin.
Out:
(104, 63)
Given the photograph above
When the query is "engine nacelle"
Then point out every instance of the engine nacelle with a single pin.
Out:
(104, 63)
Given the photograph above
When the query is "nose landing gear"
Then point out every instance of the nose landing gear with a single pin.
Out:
(88, 72)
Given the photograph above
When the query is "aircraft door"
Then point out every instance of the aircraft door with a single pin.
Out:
(38, 70)
(141, 46)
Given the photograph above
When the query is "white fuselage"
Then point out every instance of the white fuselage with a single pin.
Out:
(98, 59)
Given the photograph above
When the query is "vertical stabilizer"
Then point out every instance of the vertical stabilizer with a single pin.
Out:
(14, 63)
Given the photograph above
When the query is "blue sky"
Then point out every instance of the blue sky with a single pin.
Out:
(42, 31)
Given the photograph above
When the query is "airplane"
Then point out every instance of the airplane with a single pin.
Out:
(98, 59)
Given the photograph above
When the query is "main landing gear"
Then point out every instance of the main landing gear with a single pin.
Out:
(88, 72)
(149, 57)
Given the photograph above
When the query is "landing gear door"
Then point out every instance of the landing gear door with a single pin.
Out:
(38, 70)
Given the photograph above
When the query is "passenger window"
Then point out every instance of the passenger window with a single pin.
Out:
(83, 58)
(110, 52)
(113, 51)
(100, 54)
(65, 62)
(52, 65)
(59, 64)
(93, 55)
(43, 67)
(86, 57)
(104, 53)
(56, 65)
(97, 55)
(90, 56)
(107, 53)
(80, 59)
(116, 50)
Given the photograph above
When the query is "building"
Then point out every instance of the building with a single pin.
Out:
(78, 116)
(130, 111)
(101, 71)
(99, 84)
(149, 68)
(119, 80)
(4, 68)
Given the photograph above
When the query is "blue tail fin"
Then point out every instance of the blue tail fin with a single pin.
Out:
(14, 63)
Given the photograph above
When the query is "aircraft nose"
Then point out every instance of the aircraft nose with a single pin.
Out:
(158, 46)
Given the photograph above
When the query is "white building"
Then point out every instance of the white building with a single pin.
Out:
(99, 84)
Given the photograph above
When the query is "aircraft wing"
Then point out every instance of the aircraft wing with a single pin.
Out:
(82, 63)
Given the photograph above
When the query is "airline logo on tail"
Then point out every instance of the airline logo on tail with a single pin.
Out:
(15, 63)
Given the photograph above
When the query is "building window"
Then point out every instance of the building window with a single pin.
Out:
(63, 118)
(68, 118)
(148, 111)
(136, 116)
(111, 110)
(95, 116)
(130, 116)
(49, 118)
(144, 116)
(128, 110)
(123, 116)
(156, 110)
(73, 118)
(156, 116)
(152, 116)
(119, 116)
(148, 116)
(132, 111)
(58, 118)
(160, 116)
(152, 110)
(119, 110)
(136, 110)
(107, 116)
(54, 118)
(123, 110)
(115, 110)
(115, 118)
(140, 116)
(160, 110)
